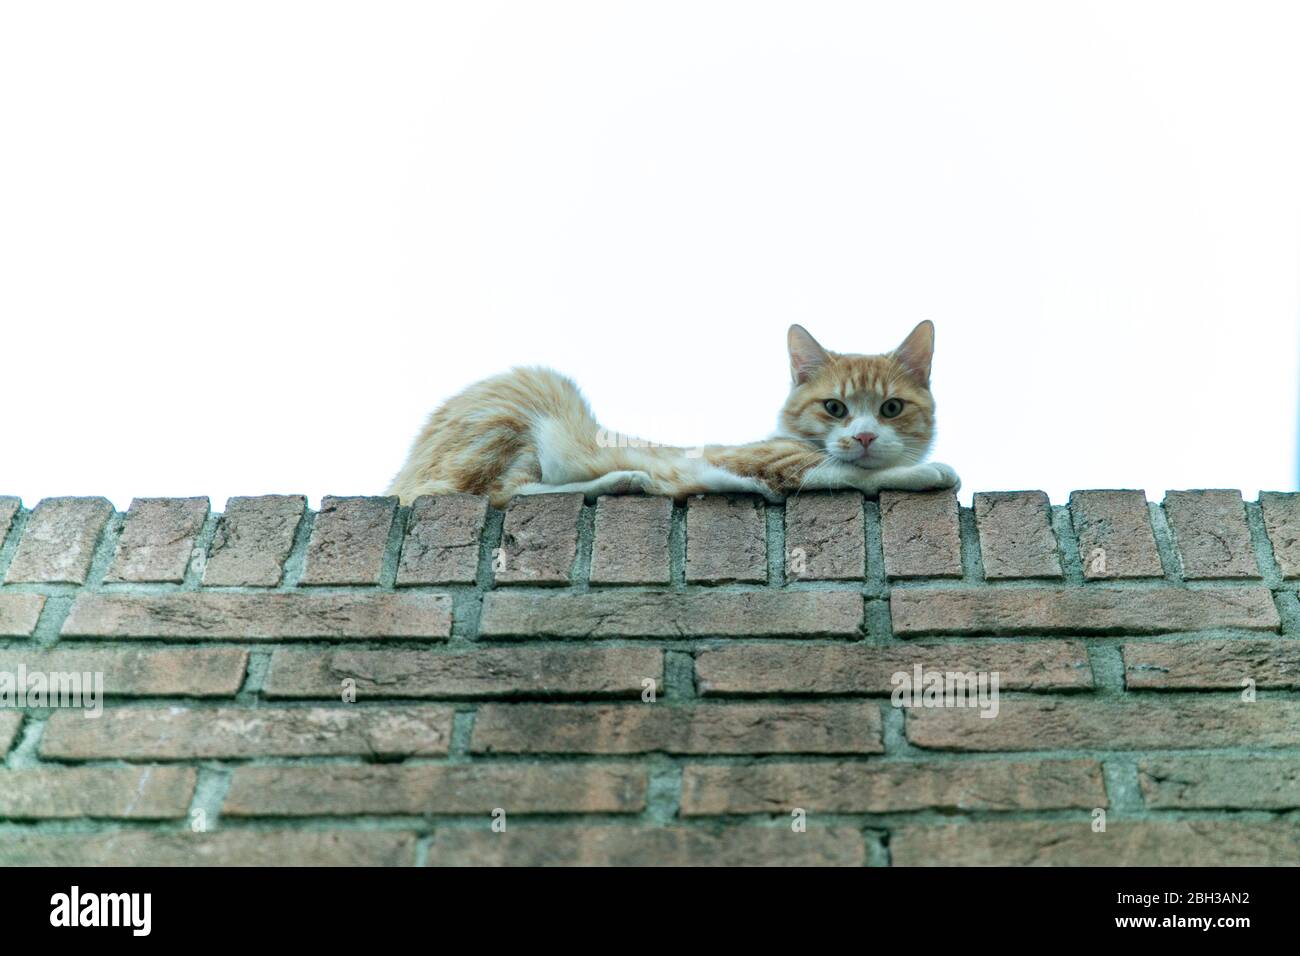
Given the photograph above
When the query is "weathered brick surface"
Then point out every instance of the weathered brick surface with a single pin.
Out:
(253, 539)
(1115, 536)
(183, 733)
(539, 540)
(10, 721)
(1281, 521)
(1073, 843)
(157, 540)
(9, 507)
(1246, 783)
(648, 846)
(1138, 724)
(348, 540)
(1016, 539)
(436, 789)
(127, 793)
(644, 728)
(870, 668)
(260, 847)
(19, 613)
(277, 616)
(726, 539)
(1211, 533)
(921, 534)
(631, 543)
(1098, 610)
(59, 541)
(825, 537)
(312, 724)
(131, 672)
(442, 540)
(1206, 664)
(669, 614)
(482, 672)
(842, 787)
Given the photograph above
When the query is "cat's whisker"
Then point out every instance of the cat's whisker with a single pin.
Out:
(811, 472)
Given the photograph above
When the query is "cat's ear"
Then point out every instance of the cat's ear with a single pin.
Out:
(806, 356)
(917, 351)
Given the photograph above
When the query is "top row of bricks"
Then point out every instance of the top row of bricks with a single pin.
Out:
(726, 538)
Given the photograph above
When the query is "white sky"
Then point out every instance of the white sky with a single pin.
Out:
(246, 247)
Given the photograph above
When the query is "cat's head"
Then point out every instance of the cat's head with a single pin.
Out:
(874, 411)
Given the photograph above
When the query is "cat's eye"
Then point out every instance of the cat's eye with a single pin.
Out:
(835, 408)
(892, 408)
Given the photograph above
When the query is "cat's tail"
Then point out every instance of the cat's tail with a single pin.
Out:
(528, 425)
(408, 491)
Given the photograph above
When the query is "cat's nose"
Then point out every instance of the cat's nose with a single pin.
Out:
(866, 438)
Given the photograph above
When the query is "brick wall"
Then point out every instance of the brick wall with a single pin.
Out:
(501, 663)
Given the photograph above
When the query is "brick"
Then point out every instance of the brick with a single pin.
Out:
(1205, 665)
(348, 540)
(9, 507)
(648, 846)
(334, 790)
(869, 668)
(58, 543)
(824, 537)
(259, 847)
(1142, 724)
(844, 787)
(700, 729)
(631, 543)
(726, 539)
(481, 672)
(1042, 610)
(1241, 783)
(442, 540)
(10, 721)
(1073, 843)
(126, 793)
(1115, 536)
(1211, 534)
(1016, 539)
(670, 614)
(183, 733)
(269, 616)
(539, 539)
(128, 672)
(920, 534)
(253, 540)
(19, 613)
(1281, 521)
(157, 540)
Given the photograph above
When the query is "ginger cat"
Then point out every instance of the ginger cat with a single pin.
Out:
(850, 421)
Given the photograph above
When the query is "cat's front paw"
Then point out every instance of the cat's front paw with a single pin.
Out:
(939, 477)
(625, 483)
(930, 476)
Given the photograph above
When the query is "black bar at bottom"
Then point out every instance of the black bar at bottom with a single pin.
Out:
(644, 908)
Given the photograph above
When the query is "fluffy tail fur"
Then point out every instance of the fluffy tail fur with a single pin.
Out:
(529, 425)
